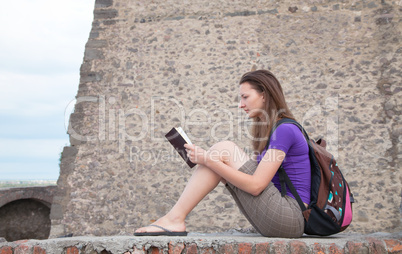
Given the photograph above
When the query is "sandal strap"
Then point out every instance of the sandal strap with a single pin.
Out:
(165, 229)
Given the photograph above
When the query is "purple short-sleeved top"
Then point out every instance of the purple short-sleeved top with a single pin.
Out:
(289, 139)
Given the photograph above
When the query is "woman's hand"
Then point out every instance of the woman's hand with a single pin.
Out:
(196, 154)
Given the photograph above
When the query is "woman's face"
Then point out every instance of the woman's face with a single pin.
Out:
(251, 101)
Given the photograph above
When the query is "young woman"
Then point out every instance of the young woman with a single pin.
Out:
(253, 182)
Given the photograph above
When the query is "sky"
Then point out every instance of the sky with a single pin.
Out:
(42, 45)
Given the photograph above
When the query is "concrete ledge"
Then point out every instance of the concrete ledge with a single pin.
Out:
(209, 243)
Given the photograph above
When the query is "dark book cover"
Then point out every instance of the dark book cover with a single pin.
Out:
(177, 137)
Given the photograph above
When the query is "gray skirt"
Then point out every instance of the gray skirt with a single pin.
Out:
(269, 213)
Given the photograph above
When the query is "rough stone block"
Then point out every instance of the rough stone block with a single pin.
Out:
(334, 249)
(298, 247)
(207, 250)
(280, 247)
(393, 246)
(191, 248)
(105, 14)
(228, 249)
(22, 249)
(155, 250)
(38, 250)
(93, 54)
(72, 250)
(357, 248)
(96, 44)
(244, 248)
(318, 248)
(6, 250)
(103, 3)
(261, 248)
(176, 248)
(376, 246)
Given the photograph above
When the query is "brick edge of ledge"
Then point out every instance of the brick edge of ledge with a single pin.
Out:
(371, 245)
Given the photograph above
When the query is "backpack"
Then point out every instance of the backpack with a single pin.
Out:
(330, 208)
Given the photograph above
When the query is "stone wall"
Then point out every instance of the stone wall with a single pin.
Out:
(150, 66)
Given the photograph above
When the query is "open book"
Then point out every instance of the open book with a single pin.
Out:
(177, 137)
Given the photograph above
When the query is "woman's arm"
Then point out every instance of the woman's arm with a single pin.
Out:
(253, 184)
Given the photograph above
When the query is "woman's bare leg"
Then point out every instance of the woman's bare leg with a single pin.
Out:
(202, 182)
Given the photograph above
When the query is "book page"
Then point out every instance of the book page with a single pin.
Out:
(184, 135)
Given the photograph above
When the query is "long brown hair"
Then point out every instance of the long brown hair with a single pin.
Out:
(265, 82)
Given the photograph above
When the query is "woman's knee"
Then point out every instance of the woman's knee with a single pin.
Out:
(229, 153)
(223, 145)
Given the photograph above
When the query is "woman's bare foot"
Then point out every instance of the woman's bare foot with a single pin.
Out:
(164, 222)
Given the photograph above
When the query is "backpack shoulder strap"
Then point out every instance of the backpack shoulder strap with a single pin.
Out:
(283, 177)
(285, 180)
